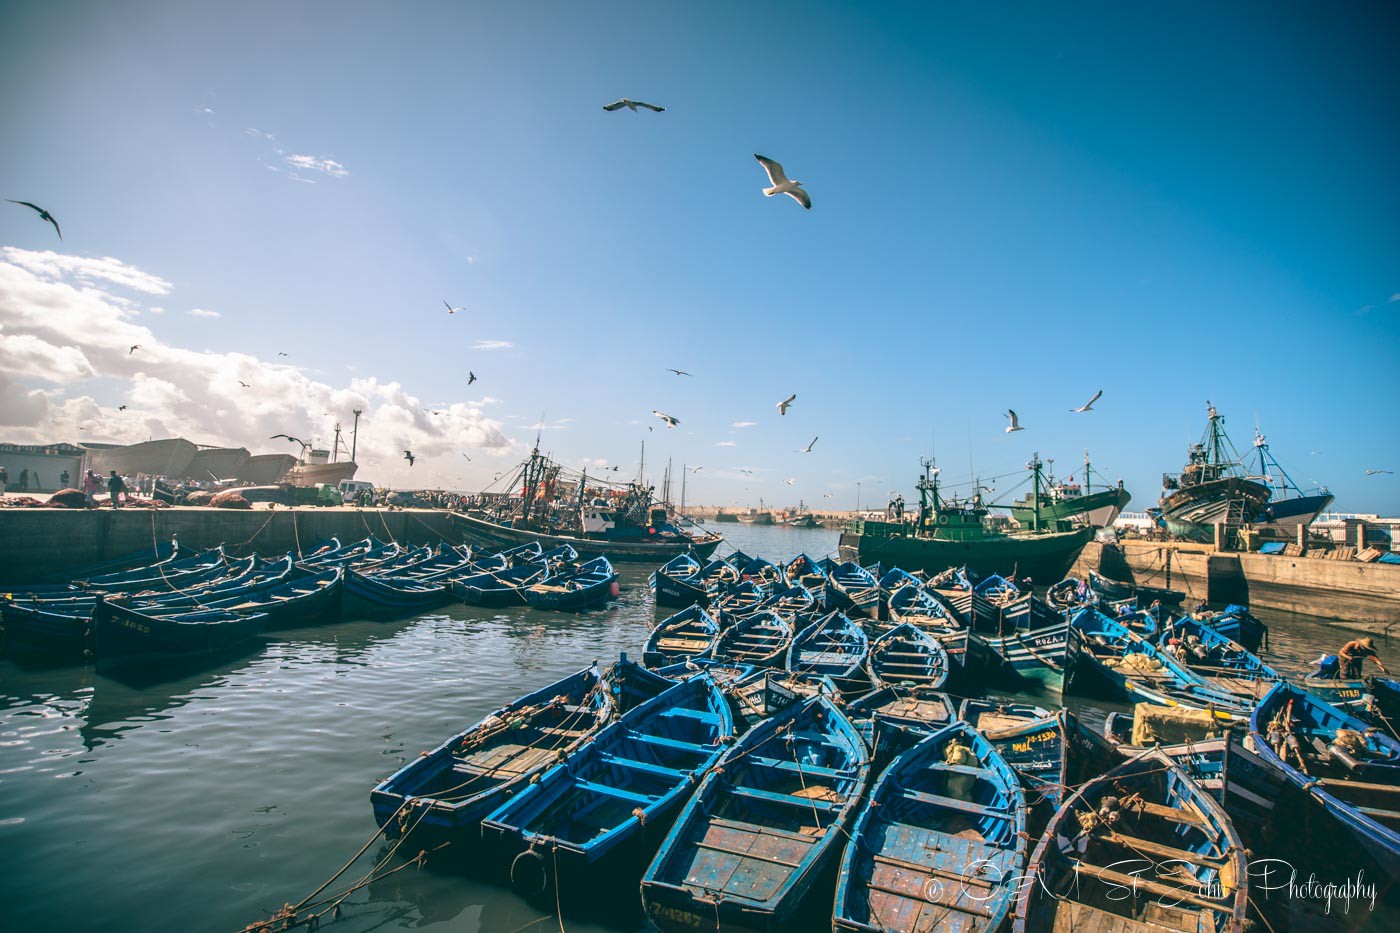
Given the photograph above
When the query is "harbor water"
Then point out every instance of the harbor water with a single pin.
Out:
(207, 800)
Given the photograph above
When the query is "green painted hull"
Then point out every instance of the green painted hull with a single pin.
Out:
(1045, 558)
(1094, 508)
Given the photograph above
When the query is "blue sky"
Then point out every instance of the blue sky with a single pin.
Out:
(1015, 205)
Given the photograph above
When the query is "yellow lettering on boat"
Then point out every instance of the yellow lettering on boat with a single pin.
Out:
(676, 915)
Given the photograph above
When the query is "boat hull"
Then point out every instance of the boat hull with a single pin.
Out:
(492, 535)
(1042, 557)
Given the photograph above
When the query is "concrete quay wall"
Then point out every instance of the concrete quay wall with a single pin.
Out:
(1343, 592)
(36, 543)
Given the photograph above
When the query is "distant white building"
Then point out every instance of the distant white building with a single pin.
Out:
(1140, 522)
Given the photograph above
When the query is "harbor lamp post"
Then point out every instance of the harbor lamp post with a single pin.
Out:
(355, 435)
(857, 495)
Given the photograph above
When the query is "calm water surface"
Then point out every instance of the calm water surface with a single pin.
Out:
(206, 801)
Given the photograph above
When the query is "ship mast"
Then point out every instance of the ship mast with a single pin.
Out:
(1034, 466)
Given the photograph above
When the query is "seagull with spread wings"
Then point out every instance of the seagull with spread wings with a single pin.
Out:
(1089, 405)
(294, 440)
(134, 348)
(280, 353)
(791, 480)
(408, 455)
(632, 105)
(471, 377)
(786, 403)
(808, 448)
(244, 384)
(43, 214)
(450, 309)
(670, 422)
(1374, 472)
(121, 408)
(1015, 424)
(680, 372)
(782, 184)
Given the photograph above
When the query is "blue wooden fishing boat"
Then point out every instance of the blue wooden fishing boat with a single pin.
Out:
(806, 570)
(739, 600)
(1238, 624)
(286, 602)
(242, 576)
(891, 583)
(766, 692)
(751, 843)
(909, 658)
(441, 796)
(940, 846)
(125, 637)
(1069, 593)
(891, 719)
(382, 594)
(156, 574)
(761, 639)
(1051, 751)
(996, 589)
(1334, 765)
(680, 582)
(341, 553)
(447, 564)
(1221, 662)
(725, 673)
(1352, 695)
(689, 633)
(761, 571)
(591, 822)
(1197, 744)
(851, 586)
(1117, 590)
(1386, 691)
(790, 601)
(589, 585)
(497, 587)
(833, 645)
(1035, 642)
(1135, 668)
(1140, 849)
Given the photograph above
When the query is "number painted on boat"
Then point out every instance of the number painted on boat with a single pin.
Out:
(676, 915)
(136, 626)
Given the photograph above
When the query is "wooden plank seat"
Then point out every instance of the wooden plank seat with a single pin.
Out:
(793, 800)
(610, 791)
(636, 765)
(702, 844)
(1179, 893)
(759, 830)
(1148, 847)
(965, 769)
(680, 712)
(814, 770)
(1171, 814)
(650, 739)
(953, 803)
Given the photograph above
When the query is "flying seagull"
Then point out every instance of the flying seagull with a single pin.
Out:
(244, 384)
(808, 448)
(1015, 424)
(280, 353)
(121, 408)
(294, 440)
(408, 455)
(781, 184)
(632, 105)
(1374, 472)
(1089, 405)
(791, 480)
(680, 372)
(469, 459)
(826, 495)
(134, 348)
(786, 403)
(670, 422)
(450, 309)
(43, 214)
(471, 377)
(747, 472)
(696, 469)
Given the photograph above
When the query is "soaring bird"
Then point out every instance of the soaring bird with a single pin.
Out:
(786, 403)
(280, 353)
(43, 214)
(632, 105)
(1374, 472)
(121, 408)
(408, 455)
(450, 309)
(781, 184)
(244, 384)
(471, 377)
(680, 372)
(747, 472)
(469, 459)
(696, 469)
(1089, 405)
(791, 479)
(826, 495)
(294, 440)
(1015, 424)
(808, 448)
(134, 348)
(670, 422)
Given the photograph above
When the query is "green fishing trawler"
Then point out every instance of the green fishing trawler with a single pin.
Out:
(1068, 500)
(954, 533)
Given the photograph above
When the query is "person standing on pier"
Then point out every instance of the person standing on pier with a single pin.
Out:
(90, 486)
(1352, 655)
(63, 480)
(115, 488)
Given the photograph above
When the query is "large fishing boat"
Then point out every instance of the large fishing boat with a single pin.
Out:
(546, 503)
(952, 533)
(1289, 506)
(1213, 489)
(1068, 500)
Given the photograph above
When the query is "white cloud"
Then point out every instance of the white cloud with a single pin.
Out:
(50, 265)
(155, 311)
(60, 331)
(492, 345)
(1395, 297)
(313, 164)
(743, 424)
(726, 444)
(203, 312)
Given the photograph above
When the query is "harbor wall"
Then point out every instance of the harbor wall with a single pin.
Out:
(39, 542)
(1341, 592)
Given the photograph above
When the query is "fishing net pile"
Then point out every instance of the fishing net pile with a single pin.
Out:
(230, 500)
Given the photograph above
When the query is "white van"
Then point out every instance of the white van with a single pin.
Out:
(351, 488)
